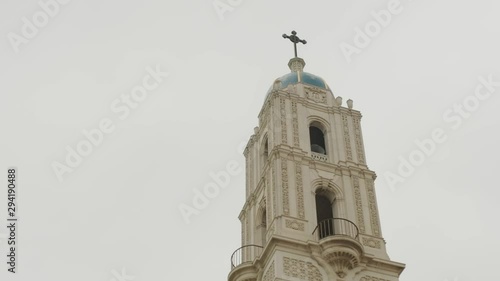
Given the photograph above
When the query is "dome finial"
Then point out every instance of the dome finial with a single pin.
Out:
(296, 64)
(295, 39)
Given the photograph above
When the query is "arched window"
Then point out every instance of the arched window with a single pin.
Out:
(317, 138)
(263, 228)
(264, 151)
(324, 215)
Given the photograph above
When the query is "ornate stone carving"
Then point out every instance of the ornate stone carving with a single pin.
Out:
(372, 204)
(270, 273)
(319, 156)
(359, 207)
(284, 138)
(294, 224)
(342, 262)
(300, 190)
(359, 141)
(347, 138)
(371, 278)
(372, 243)
(295, 123)
(316, 95)
(284, 186)
(300, 269)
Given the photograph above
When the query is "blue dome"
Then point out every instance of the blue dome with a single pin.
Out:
(300, 77)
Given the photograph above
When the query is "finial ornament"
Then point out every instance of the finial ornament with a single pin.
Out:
(295, 39)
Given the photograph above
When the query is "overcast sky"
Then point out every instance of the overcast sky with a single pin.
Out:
(81, 66)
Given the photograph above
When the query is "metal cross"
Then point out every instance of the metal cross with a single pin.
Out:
(295, 39)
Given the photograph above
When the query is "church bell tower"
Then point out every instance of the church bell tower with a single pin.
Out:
(311, 210)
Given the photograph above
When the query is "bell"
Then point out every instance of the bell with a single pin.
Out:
(318, 149)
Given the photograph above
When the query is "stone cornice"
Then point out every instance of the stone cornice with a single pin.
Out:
(387, 265)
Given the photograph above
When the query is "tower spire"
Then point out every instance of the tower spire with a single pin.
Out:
(295, 39)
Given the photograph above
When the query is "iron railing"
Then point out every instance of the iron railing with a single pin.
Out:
(336, 226)
(247, 253)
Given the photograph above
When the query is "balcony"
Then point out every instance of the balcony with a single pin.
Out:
(245, 254)
(335, 227)
(338, 239)
(242, 267)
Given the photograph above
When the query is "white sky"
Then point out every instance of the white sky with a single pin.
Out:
(119, 207)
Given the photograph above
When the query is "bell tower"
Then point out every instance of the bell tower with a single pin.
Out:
(311, 210)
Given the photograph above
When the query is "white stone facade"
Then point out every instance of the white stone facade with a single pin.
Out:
(283, 179)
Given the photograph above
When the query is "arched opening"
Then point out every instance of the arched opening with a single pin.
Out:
(317, 138)
(264, 151)
(324, 215)
(263, 228)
